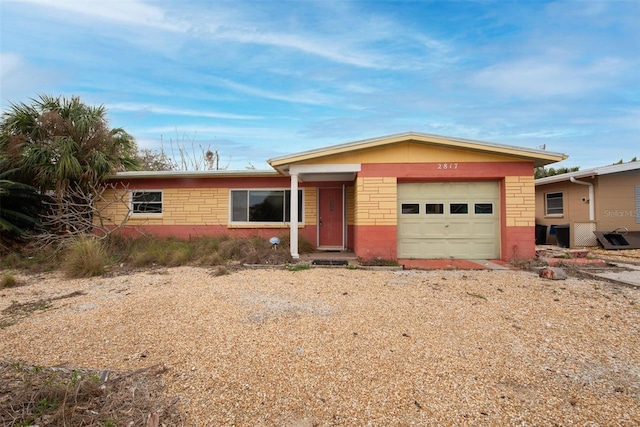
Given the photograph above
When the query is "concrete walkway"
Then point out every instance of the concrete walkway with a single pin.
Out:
(630, 277)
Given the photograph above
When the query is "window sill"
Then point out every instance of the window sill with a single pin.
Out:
(145, 216)
(555, 216)
(263, 225)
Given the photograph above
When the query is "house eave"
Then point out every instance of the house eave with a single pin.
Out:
(539, 157)
(131, 175)
(589, 173)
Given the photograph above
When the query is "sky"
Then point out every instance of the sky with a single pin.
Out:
(261, 79)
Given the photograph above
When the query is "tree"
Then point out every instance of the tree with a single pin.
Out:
(63, 147)
(59, 143)
(20, 205)
(542, 172)
(151, 160)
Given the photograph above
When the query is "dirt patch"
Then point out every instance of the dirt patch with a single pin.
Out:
(330, 347)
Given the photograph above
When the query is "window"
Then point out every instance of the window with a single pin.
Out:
(434, 208)
(146, 202)
(458, 208)
(553, 204)
(263, 205)
(410, 208)
(483, 208)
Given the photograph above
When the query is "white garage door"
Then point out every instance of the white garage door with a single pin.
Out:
(449, 220)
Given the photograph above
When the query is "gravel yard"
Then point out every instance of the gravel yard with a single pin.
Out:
(326, 347)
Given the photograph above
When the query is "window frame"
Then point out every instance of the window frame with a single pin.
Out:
(546, 204)
(301, 212)
(132, 203)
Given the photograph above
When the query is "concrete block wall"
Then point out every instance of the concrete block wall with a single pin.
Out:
(520, 201)
(376, 201)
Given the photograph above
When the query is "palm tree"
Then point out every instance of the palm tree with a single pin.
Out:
(59, 143)
(63, 148)
(20, 205)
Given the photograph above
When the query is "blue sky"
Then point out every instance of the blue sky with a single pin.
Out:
(259, 79)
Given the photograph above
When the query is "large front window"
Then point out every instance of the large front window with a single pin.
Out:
(263, 205)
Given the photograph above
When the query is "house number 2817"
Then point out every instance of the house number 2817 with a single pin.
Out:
(445, 166)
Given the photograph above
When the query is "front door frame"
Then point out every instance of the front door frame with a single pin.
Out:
(343, 219)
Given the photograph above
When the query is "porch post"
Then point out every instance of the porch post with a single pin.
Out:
(293, 222)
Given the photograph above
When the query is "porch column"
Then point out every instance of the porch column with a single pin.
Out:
(293, 222)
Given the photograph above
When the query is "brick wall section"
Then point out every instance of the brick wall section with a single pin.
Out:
(310, 205)
(351, 205)
(199, 206)
(520, 200)
(376, 201)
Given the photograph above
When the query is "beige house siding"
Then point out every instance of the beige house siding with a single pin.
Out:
(376, 201)
(519, 201)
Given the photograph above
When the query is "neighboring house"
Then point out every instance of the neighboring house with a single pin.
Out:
(407, 196)
(603, 199)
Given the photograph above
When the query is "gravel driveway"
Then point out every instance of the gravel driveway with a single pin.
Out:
(326, 347)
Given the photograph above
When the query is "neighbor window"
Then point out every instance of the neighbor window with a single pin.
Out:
(553, 204)
(146, 202)
(263, 205)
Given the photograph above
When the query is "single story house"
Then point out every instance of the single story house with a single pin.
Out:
(604, 198)
(407, 196)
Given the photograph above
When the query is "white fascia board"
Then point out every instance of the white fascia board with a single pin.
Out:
(602, 170)
(331, 168)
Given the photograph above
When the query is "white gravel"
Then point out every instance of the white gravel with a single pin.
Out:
(327, 347)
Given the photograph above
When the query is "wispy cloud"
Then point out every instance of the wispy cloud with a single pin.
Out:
(546, 76)
(157, 109)
(130, 12)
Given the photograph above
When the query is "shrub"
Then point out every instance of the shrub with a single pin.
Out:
(8, 281)
(86, 257)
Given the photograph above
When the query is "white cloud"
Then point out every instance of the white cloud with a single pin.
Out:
(311, 97)
(156, 109)
(132, 12)
(547, 76)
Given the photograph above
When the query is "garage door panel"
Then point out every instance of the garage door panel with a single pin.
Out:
(451, 220)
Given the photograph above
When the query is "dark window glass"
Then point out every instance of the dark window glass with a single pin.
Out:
(147, 202)
(434, 208)
(554, 204)
(458, 208)
(239, 205)
(263, 205)
(483, 208)
(410, 208)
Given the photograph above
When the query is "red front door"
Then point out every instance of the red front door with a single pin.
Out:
(331, 216)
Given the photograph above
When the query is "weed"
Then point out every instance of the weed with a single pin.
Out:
(59, 396)
(298, 267)
(86, 257)
(221, 271)
(378, 262)
(477, 296)
(8, 281)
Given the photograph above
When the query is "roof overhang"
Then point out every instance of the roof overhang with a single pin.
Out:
(311, 173)
(590, 173)
(129, 175)
(537, 156)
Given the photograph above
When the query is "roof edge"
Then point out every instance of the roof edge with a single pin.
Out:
(547, 157)
(192, 174)
(600, 170)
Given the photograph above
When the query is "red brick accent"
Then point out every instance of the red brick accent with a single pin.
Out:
(372, 241)
(424, 172)
(518, 243)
